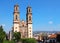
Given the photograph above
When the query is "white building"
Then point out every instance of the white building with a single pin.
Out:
(24, 27)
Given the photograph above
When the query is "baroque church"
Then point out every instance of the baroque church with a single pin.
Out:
(24, 27)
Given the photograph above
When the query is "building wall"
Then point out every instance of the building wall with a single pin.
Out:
(16, 28)
(29, 30)
(21, 26)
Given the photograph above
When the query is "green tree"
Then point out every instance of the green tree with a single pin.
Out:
(8, 41)
(17, 36)
(2, 34)
(29, 40)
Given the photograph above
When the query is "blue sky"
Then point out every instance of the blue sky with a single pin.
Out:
(46, 14)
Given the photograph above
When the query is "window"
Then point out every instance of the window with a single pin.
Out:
(30, 33)
(16, 28)
(23, 25)
(30, 27)
(16, 17)
(29, 18)
(29, 10)
(30, 30)
(16, 8)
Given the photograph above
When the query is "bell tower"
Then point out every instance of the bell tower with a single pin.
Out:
(16, 13)
(16, 20)
(29, 22)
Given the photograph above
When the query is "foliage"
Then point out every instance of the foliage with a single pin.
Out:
(28, 40)
(12, 41)
(7, 41)
(17, 36)
(2, 34)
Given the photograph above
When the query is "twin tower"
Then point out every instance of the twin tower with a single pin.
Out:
(24, 27)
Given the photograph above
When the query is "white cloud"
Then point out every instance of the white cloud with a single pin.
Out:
(50, 22)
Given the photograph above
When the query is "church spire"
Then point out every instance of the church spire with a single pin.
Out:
(29, 22)
(16, 8)
(29, 10)
(16, 12)
(16, 19)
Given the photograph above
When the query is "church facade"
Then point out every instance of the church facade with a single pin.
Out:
(24, 27)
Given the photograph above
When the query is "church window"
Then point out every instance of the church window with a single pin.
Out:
(15, 8)
(30, 33)
(23, 25)
(30, 27)
(16, 17)
(20, 26)
(30, 30)
(29, 18)
(16, 27)
(29, 10)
